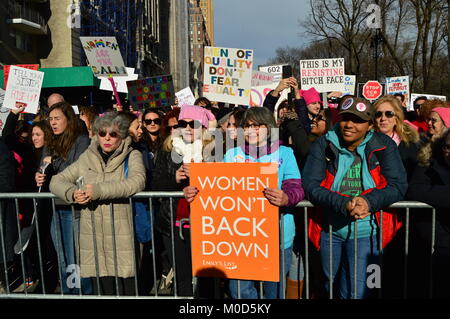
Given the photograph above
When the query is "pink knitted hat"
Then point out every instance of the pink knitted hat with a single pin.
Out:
(444, 113)
(196, 113)
(310, 96)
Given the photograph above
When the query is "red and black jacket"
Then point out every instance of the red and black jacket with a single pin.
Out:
(385, 167)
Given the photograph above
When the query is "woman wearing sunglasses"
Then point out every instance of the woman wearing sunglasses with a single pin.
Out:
(151, 128)
(112, 171)
(430, 183)
(189, 143)
(390, 120)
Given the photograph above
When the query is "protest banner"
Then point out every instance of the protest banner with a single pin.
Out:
(399, 84)
(414, 96)
(275, 70)
(325, 75)
(155, 91)
(227, 75)
(261, 78)
(120, 82)
(104, 56)
(6, 68)
(234, 229)
(24, 86)
(185, 97)
(349, 85)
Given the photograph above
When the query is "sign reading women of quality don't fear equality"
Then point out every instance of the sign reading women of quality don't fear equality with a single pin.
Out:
(228, 75)
(104, 56)
(234, 228)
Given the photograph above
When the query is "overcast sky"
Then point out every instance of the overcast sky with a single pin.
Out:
(261, 25)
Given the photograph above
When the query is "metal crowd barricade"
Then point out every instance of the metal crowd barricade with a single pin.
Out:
(151, 196)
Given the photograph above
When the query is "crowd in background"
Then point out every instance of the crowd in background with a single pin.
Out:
(351, 159)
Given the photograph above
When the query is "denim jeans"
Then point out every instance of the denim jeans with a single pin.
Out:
(62, 231)
(272, 290)
(343, 259)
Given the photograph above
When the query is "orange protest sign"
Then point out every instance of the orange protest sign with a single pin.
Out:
(7, 67)
(234, 228)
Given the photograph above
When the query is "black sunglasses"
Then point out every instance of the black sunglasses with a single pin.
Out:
(192, 124)
(170, 127)
(388, 114)
(157, 121)
(112, 134)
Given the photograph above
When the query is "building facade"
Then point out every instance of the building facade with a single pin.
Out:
(24, 32)
(199, 38)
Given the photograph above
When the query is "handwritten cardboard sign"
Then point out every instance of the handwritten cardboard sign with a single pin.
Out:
(185, 97)
(104, 56)
(349, 85)
(262, 78)
(234, 229)
(7, 67)
(151, 92)
(24, 86)
(399, 84)
(325, 75)
(228, 75)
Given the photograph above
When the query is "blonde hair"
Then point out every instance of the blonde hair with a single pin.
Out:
(428, 149)
(406, 132)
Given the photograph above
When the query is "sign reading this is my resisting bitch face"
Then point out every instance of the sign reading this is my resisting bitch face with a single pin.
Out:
(228, 75)
(234, 228)
(104, 56)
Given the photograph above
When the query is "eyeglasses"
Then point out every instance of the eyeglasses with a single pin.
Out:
(192, 124)
(446, 147)
(111, 134)
(388, 114)
(157, 121)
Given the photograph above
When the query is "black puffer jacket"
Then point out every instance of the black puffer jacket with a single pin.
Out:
(431, 185)
(164, 180)
(8, 215)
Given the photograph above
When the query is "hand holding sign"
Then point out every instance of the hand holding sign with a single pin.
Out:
(19, 108)
(189, 193)
(276, 197)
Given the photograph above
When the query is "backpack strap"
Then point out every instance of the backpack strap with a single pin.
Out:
(125, 167)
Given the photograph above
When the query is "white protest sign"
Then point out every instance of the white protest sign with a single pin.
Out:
(24, 86)
(104, 56)
(325, 75)
(261, 78)
(228, 75)
(275, 70)
(2, 96)
(120, 81)
(428, 96)
(259, 93)
(75, 109)
(349, 85)
(399, 84)
(185, 97)
(3, 115)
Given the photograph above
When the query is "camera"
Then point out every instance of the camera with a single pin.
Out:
(334, 100)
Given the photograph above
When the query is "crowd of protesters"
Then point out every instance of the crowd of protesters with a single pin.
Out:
(352, 159)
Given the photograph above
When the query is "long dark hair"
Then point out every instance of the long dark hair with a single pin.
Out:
(153, 145)
(60, 145)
